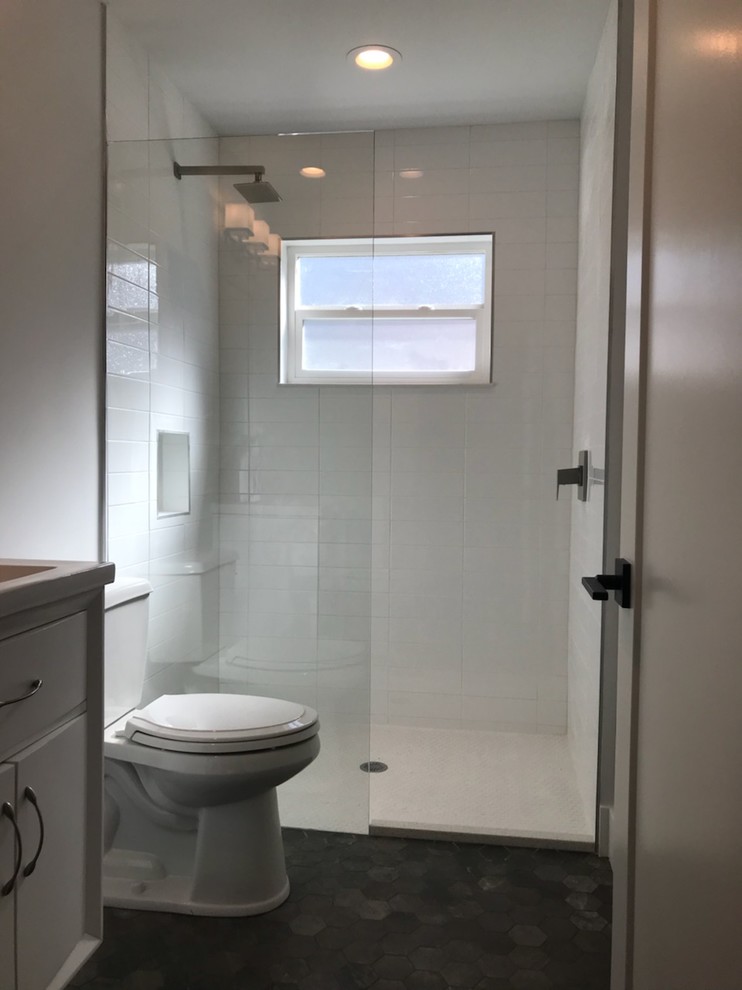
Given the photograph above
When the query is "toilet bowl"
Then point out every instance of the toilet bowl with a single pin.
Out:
(191, 815)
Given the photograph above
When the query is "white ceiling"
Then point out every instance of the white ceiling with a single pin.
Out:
(264, 66)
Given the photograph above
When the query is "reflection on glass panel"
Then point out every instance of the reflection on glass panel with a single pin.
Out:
(446, 280)
(447, 345)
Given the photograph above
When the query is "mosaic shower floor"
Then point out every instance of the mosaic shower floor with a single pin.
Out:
(499, 784)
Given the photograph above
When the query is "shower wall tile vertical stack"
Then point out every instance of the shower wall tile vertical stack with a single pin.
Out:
(591, 361)
(477, 600)
(470, 548)
(162, 340)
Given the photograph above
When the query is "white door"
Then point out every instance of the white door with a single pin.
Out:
(50, 900)
(677, 830)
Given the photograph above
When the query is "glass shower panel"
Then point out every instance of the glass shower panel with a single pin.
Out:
(162, 362)
(295, 479)
(471, 550)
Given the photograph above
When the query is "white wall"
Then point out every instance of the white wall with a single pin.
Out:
(591, 363)
(51, 259)
(470, 549)
(162, 346)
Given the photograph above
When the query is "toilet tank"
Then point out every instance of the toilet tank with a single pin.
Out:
(125, 651)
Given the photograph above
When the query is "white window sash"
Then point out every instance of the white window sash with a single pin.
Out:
(292, 317)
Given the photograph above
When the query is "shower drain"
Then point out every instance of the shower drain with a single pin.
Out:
(375, 766)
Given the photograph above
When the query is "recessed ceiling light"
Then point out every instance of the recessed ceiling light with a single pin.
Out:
(312, 172)
(411, 173)
(374, 56)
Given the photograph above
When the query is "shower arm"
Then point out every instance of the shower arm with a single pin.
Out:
(180, 170)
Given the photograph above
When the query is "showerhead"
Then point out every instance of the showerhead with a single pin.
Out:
(257, 191)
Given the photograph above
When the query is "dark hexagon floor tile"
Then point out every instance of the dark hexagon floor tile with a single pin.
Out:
(289, 970)
(307, 924)
(340, 917)
(299, 946)
(393, 967)
(558, 929)
(354, 976)
(528, 979)
(427, 958)
(593, 942)
(398, 921)
(465, 909)
(361, 906)
(496, 966)
(399, 943)
(436, 936)
(495, 921)
(527, 935)
(421, 980)
(564, 952)
(363, 952)
(498, 943)
(461, 974)
(580, 882)
(463, 951)
(528, 957)
(582, 902)
(373, 910)
(335, 938)
(523, 895)
(550, 871)
(588, 921)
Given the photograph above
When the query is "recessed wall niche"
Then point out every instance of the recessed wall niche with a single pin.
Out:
(173, 474)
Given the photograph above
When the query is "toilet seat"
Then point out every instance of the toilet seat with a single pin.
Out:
(219, 723)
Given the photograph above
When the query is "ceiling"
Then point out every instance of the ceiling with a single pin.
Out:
(267, 66)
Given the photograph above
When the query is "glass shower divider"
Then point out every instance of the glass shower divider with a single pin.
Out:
(295, 501)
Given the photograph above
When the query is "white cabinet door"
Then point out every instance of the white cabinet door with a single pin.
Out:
(7, 867)
(50, 901)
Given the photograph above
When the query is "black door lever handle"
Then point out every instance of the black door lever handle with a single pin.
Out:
(595, 588)
(619, 583)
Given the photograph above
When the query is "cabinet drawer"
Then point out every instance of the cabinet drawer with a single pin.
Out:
(55, 654)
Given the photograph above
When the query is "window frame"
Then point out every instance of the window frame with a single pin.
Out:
(292, 317)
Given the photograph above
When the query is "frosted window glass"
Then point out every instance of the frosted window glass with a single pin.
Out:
(415, 345)
(443, 280)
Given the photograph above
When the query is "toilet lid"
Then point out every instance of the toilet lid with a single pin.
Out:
(215, 718)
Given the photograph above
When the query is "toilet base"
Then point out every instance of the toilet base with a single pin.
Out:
(173, 895)
(231, 864)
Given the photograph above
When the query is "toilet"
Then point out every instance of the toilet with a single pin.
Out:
(191, 814)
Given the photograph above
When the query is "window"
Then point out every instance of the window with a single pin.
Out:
(405, 310)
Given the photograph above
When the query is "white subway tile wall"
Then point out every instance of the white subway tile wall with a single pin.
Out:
(590, 406)
(421, 520)
(163, 358)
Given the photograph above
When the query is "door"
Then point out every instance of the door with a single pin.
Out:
(8, 852)
(50, 901)
(676, 846)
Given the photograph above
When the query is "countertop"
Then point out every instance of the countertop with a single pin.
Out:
(59, 580)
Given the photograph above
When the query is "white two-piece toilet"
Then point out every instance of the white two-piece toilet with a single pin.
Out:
(191, 822)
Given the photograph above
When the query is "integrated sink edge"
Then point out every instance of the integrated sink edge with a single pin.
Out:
(11, 572)
(34, 583)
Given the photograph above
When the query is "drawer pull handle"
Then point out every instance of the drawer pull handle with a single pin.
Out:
(35, 685)
(30, 795)
(8, 812)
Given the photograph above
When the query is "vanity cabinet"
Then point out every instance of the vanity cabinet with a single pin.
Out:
(50, 787)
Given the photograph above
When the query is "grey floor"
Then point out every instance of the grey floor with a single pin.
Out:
(387, 914)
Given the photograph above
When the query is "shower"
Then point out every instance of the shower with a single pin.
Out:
(257, 191)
